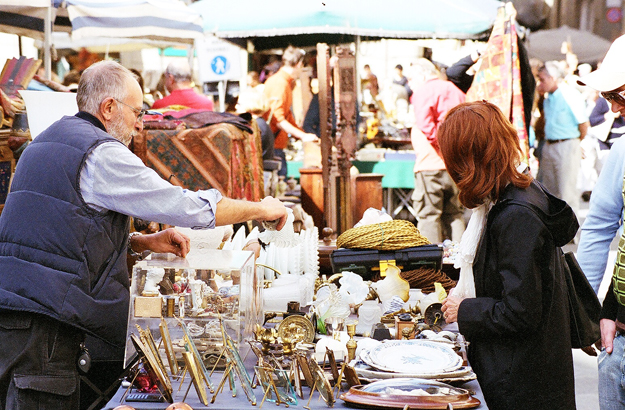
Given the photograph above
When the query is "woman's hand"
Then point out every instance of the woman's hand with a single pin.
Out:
(450, 308)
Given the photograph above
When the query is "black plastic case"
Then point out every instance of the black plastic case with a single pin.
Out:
(366, 262)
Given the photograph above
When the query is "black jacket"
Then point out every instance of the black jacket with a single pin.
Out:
(518, 325)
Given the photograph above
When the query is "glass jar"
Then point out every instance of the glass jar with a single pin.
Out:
(369, 314)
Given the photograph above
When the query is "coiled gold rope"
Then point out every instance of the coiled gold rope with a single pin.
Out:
(384, 236)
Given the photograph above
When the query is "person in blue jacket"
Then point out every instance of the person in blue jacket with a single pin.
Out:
(602, 223)
(64, 237)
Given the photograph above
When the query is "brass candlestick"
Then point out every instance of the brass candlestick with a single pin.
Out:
(351, 343)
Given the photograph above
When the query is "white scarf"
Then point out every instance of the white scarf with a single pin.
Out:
(465, 288)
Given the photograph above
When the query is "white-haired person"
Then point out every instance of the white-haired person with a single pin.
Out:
(179, 84)
(435, 197)
(566, 124)
(64, 237)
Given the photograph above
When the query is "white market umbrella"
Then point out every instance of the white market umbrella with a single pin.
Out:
(169, 21)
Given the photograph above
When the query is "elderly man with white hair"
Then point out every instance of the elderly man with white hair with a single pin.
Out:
(64, 237)
(179, 83)
(566, 124)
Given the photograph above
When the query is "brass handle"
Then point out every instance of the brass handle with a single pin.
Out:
(269, 267)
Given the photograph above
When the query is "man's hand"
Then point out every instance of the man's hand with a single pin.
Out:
(170, 240)
(308, 137)
(608, 332)
(294, 131)
(231, 211)
(274, 211)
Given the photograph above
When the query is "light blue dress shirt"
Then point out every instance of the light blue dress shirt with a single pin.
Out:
(114, 178)
(604, 216)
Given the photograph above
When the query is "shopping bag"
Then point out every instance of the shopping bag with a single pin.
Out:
(584, 306)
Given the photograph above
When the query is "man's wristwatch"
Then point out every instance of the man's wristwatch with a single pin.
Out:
(131, 252)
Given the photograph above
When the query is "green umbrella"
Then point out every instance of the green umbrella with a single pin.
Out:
(276, 23)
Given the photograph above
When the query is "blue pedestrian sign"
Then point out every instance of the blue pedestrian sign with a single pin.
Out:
(220, 65)
(218, 60)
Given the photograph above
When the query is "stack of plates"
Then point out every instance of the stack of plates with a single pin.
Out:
(423, 359)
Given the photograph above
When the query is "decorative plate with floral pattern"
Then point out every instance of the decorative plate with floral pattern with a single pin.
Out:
(413, 357)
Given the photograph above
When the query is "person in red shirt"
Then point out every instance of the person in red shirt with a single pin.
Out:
(435, 197)
(278, 95)
(179, 83)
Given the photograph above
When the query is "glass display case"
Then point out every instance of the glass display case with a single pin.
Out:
(195, 295)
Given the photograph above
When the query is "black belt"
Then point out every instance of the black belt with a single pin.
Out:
(556, 141)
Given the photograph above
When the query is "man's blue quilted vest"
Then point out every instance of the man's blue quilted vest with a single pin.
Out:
(58, 257)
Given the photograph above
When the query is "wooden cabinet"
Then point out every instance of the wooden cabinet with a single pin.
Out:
(311, 181)
(366, 193)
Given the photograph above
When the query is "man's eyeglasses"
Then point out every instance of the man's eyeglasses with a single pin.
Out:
(615, 97)
(139, 113)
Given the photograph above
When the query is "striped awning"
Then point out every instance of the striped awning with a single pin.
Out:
(158, 20)
(26, 18)
(163, 20)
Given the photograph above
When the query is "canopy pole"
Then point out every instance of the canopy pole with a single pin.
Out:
(357, 63)
(221, 88)
(191, 57)
(47, 43)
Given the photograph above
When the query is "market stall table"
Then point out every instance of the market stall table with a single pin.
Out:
(225, 401)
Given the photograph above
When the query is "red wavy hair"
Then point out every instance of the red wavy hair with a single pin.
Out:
(481, 152)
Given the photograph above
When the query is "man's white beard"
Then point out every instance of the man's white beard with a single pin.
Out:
(119, 131)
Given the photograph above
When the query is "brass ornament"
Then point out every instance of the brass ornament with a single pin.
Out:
(296, 328)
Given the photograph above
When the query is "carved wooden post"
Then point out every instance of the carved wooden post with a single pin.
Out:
(346, 104)
(325, 127)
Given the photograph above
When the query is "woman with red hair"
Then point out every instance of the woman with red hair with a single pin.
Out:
(510, 302)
